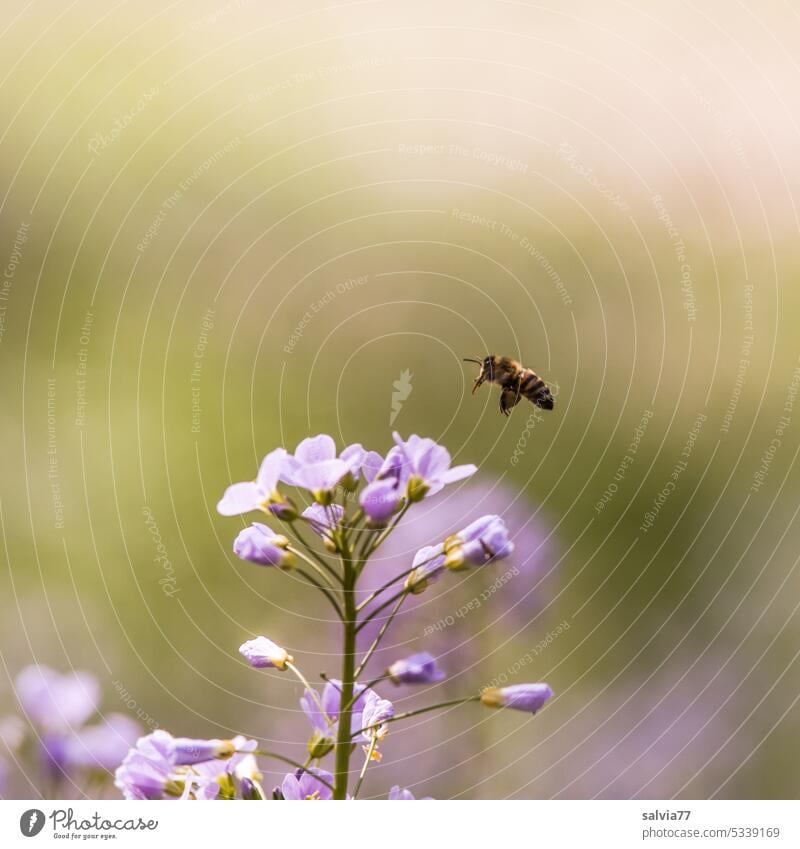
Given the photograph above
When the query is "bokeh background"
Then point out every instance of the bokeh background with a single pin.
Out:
(227, 226)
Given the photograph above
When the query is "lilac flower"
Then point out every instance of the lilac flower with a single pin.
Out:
(258, 494)
(386, 485)
(374, 716)
(401, 794)
(417, 669)
(262, 653)
(315, 466)
(324, 717)
(258, 544)
(152, 770)
(57, 702)
(187, 751)
(428, 566)
(304, 784)
(426, 467)
(481, 541)
(527, 697)
(323, 520)
(101, 746)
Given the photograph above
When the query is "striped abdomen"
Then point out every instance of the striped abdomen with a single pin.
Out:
(532, 387)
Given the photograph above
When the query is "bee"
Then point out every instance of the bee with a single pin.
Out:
(515, 382)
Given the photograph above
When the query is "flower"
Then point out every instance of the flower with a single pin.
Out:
(374, 716)
(401, 794)
(153, 768)
(187, 751)
(527, 697)
(417, 669)
(324, 520)
(258, 544)
(53, 701)
(426, 467)
(262, 653)
(324, 716)
(101, 746)
(258, 494)
(305, 784)
(315, 466)
(386, 485)
(428, 566)
(483, 540)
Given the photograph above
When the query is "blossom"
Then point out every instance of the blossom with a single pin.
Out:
(324, 520)
(426, 467)
(262, 653)
(258, 494)
(101, 746)
(374, 716)
(417, 669)
(153, 768)
(402, 794)
(258, 544)
(305, 784)
(53, 701)
(314, 466)
(323, 712)
(527, 697)
(428, 565)
(483, 540)
(386, 485)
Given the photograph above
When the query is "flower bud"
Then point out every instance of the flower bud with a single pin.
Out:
(417, 489)
(186, 751)
(526, 697)
(417, 669)
(319, 745)
(258, 544)
(262, 653)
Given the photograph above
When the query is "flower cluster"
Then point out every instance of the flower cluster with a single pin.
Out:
(57, 709)
(354, 499)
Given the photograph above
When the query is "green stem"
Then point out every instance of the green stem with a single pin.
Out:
(389, 601)
(314, 583)
(326, 566)
(349, 623)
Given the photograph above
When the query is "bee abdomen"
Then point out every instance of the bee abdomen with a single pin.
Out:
(535, 390)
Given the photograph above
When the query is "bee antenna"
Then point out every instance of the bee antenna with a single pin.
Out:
(472, 360)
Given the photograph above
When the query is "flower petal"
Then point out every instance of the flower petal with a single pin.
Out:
(240, 498)
(315, 449)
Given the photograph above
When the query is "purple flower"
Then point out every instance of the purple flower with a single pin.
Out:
(304, 784)
(315, 466)
(380, 500)
(426, 467)
(324, 716)
(258, 494)
(428, 566)
(483, 540)
(101, 746)
(258, 544)
(417, 669)
(262, 653)
(527, 697)
(374, 716)
(56, 702)
(323, 520)
(151, 770)
(187, 751)
(401, 794)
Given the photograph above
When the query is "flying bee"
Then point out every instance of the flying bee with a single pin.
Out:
(515, 382)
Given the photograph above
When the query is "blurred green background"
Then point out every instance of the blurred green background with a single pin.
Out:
(227, 226)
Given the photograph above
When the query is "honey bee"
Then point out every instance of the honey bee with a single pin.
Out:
(515, 382)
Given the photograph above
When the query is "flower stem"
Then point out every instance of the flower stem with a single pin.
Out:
(349, 623)
(410, 713)
(367, 759)
(379, 637)
(262, 754)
